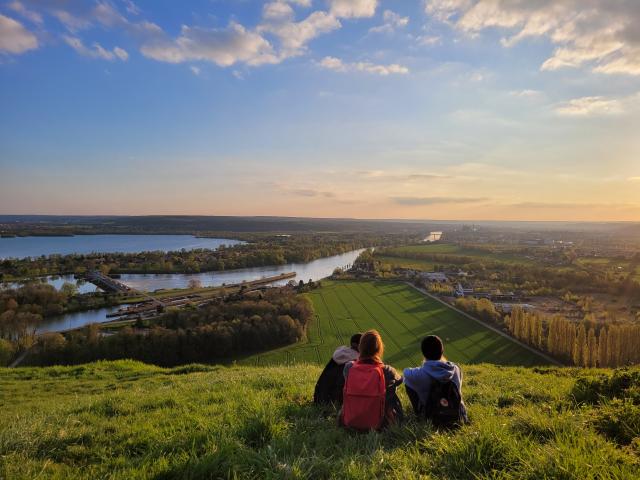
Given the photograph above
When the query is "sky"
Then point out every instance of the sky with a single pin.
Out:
(436, 109)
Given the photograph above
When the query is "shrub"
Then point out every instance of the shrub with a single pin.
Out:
(7, 351)
(623, 383)
(618, 420)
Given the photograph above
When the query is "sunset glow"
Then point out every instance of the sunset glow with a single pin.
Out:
(482, 109)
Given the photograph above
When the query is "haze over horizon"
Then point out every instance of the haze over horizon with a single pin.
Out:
(437, 109)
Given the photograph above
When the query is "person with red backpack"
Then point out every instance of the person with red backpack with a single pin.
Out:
(435, 388)
(369, 396)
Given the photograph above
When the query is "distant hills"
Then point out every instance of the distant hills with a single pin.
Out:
(198, 223)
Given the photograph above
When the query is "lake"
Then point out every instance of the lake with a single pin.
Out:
(21, 247)
(314, 270)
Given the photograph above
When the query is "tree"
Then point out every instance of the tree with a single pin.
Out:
(7, 351)
(69, 289)
(592, 349)
(602, 348)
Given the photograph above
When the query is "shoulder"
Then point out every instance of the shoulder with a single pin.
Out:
(347, 367)
(390, 372)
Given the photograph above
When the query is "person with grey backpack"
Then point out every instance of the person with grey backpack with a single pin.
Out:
(435, 388)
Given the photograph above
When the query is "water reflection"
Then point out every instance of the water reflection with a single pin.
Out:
(21, 247)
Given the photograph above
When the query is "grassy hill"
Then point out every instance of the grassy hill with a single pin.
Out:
(403, 316)
(127, 420)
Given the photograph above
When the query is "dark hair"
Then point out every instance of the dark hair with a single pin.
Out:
(371, 346)
(355, 340)
(432, 347)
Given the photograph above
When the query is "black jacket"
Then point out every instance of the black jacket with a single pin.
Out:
(330, 384)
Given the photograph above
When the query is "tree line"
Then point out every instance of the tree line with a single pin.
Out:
(533, 280)
(584, 343)
(228, 329)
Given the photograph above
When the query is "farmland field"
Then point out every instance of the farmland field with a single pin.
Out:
(414, 264)
(403, 316)
(444, 249)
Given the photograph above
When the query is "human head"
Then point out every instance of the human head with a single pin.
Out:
(432, 347)
(355, 341)
(371, 346)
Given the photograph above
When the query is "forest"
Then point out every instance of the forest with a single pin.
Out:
(234, 327)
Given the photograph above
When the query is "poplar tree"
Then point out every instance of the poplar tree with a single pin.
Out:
(602, 348)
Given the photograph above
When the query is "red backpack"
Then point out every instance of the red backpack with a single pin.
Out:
(364, 393)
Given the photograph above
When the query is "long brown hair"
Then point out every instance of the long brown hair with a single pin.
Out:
(371, 346)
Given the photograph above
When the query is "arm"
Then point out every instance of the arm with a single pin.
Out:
(391, 375)
(411, 377)
(459, 375)
(347, 367)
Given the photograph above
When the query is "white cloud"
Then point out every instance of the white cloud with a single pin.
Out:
(392, 22)
(121, 54)
(444, 10)
(353, 8)
(429, 40)
(96, 50)
(598, 33)
(14, 38)
(23, 11)
(416, 201)
(294, 36)
(71, 21)
(525, 93)
(131, 7)
(336, 64)
(333, 63)
(224, 47)
(277, 11)
(589, 107)
(279, 36)
(195, 70)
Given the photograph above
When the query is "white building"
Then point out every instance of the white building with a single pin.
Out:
(434, 276)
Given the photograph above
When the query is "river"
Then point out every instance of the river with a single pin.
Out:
(22, 247)
(314, 270)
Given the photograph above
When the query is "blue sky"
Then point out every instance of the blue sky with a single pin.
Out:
(442, 109)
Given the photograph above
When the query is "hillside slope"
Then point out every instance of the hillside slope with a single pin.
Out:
(127, 420)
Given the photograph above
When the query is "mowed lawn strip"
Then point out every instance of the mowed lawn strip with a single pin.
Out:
(403, 316)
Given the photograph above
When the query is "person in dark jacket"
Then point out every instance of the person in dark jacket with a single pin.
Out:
(331, 382)
(418, 380)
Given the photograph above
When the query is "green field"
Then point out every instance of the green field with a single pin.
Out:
(415, 264)
(403, 316)
(457, 251)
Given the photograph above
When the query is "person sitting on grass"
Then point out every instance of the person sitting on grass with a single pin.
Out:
(370, 400)
(435, 388)
(331, 382)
